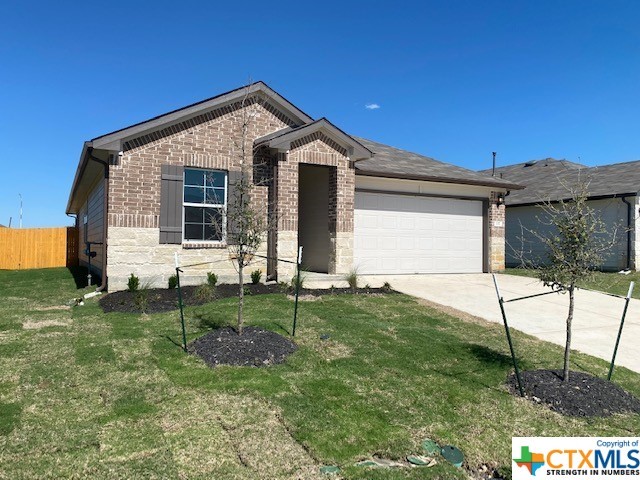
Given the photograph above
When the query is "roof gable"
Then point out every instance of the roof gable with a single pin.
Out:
(283, 139)
(113, 141)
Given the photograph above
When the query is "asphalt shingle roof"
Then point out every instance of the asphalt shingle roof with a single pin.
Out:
(394, 162)
(551, 179)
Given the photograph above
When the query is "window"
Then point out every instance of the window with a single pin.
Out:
(204, 201)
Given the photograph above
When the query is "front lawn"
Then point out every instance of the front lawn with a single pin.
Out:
(608, 282)
(88, 394)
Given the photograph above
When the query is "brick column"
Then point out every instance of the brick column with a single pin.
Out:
(287, 214)
(496, 233)
(341, 205)
(316, 149)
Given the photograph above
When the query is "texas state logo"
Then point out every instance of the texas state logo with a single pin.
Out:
(530, 460)
(575, 457)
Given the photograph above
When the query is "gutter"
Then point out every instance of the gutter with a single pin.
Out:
(629, 215)
(105, 217)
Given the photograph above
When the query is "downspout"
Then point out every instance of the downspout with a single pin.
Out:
(105, 218)
(629, 215)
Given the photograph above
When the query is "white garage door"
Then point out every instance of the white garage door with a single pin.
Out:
(406, 234)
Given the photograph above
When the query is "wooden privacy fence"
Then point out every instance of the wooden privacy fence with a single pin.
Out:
(25, 248)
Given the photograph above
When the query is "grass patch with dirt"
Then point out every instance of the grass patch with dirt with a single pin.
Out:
(113, 396)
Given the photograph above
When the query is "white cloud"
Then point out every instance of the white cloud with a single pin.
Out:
(372, 106)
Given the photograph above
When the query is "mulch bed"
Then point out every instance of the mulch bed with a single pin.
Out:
(164, 300)
(256, 347)
(583, 396)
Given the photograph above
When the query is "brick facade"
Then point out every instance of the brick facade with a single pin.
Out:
(210, 141)
(207, 141)
(315, 149)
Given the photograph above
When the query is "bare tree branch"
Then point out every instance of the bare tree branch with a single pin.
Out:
(246, 220)
(575, 241)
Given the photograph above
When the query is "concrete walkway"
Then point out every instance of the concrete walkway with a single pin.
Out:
(595, 326)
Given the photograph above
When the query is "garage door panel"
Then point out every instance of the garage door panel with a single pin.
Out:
(425, 243)
(368, 220)
(366, 243)
(458, 245)
(406, 222)
(406, 243)
(369, 265)
(405, 234)
(424, 223)
(387, 244)
(387, 263)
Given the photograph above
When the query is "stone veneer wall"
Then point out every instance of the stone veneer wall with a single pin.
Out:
(206, 141)
(496, 233)
(136, 250)
(316, 149)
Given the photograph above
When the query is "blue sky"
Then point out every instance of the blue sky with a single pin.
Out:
(454, 80)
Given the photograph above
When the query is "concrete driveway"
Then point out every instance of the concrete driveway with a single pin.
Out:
(595, 325)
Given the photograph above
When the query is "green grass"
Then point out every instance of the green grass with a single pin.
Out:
(609, 282)
(88, 394)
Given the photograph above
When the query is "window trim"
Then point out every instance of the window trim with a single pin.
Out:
(222, 207)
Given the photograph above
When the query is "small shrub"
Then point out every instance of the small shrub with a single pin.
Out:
(173, 282)
(386, 287)
(212, 279)
(256, 275)
(284, 287)
(297, 281)
(141, 296)
(352, 279)
(133, 284)
(141, 299)
(367, 287)
(332, 289)
(246, 291)
(204, 293)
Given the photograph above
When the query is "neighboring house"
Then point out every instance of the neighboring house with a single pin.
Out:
(350, 202)
(613, 193)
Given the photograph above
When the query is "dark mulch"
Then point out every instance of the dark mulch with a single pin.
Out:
(256, 347)
(155, 300)
(583, 396)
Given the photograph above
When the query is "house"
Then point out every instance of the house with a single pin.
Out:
(613, 194)
(142, 193)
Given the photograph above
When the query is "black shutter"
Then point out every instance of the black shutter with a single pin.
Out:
(171, 204)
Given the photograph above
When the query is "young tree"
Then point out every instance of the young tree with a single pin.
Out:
(576, 240)
(247, 221)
